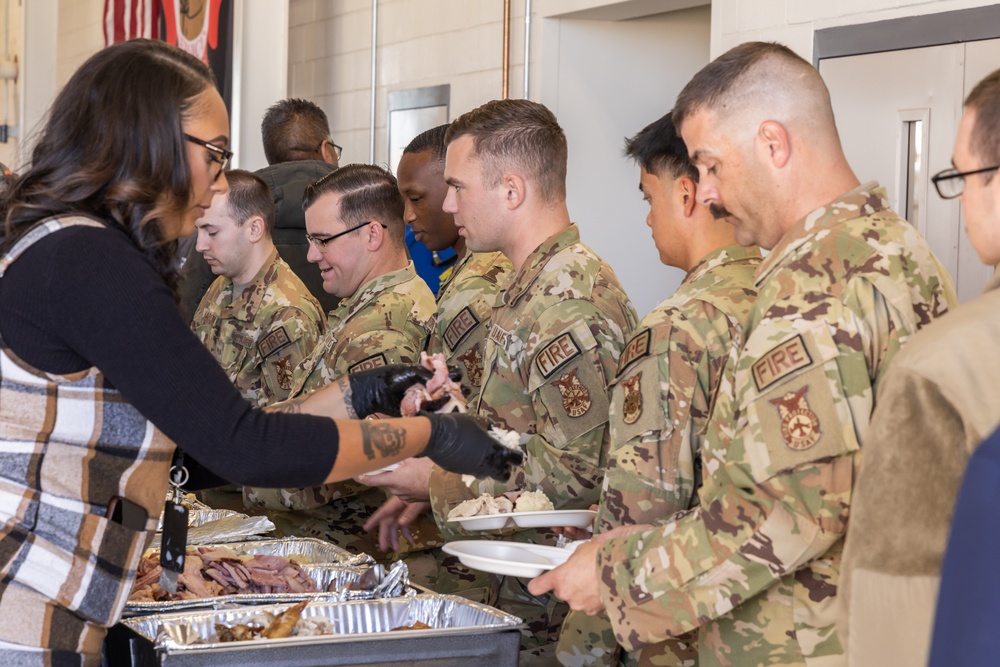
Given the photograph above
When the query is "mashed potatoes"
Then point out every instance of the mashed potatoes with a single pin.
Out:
(533, 501)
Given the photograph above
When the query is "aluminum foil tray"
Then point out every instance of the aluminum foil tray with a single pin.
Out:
(355, 620)
(326, 564)
(335, 583)
(305, 551)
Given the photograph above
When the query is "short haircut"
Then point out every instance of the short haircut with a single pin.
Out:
(430, 140)
(368, 192)
(294, 129)
(250, 196)
(984, 142)
(658, 148)
(735, 81)
(517, 134)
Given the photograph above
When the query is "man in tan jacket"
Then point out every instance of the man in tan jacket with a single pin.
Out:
(936, 405)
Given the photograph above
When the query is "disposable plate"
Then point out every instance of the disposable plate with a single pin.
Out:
(514, 559)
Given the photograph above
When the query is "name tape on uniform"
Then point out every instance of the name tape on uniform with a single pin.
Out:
(368, 363)
(499, 336)
(637, 348)
(459, 328)
(780, 362)
(556, 354)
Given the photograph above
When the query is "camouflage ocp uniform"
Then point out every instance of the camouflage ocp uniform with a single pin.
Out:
(661, 398)
(556, 331)
(756, 565)
(387, 321)
(261, 334)
(464, 303)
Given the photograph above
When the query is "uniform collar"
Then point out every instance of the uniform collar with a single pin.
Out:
(244, 306)
(718, 257)
(866, 199)
(535, 262)
(371, 289)
(455, 270)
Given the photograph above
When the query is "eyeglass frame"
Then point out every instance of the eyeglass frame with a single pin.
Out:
(338, 150)
(952, 173)
(218, 154)
(322, 243)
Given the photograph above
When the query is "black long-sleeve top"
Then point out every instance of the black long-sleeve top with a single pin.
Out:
(85, 296)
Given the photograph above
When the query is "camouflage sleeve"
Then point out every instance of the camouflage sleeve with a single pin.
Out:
(290, 337)
(653, 445)
(780, 485)
(653, 437)
(571, 356)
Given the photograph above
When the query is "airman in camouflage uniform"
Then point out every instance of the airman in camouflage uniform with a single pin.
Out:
(661, 399)
(387, 320)
(668, 378)
(261, 329)
(261, 334)
(755, 567)
(464, 300)
(556, 330)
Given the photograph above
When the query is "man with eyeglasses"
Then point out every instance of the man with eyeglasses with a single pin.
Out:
(354, 218)
(937, 404)
(299, 150)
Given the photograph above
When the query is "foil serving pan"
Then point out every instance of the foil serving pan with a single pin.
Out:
(352, 621)
(335, 583)
(305, 551)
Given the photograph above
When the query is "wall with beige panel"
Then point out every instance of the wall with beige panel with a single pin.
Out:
(793, 22)
(420, 43)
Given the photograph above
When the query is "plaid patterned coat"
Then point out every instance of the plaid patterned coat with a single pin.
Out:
(68, 444)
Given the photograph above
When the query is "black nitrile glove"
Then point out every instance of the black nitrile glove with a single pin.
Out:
(459, 443)
(382, 389)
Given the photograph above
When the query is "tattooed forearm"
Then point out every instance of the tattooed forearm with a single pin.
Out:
(292, 406)
(387, 439)
(345, 390)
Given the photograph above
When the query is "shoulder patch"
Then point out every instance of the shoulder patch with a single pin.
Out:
(632, 404)
(636, 349)
(781, 361)
(374, 361)
(459, 328)
(273, 342)
(556, 354)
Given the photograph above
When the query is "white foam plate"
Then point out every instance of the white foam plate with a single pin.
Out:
(545, 519)
(513, 559)
(555, 518)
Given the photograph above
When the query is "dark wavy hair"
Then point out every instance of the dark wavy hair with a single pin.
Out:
(658, 148)
(112, 147)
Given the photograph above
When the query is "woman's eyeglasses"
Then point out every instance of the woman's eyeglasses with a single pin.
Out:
(218, 154)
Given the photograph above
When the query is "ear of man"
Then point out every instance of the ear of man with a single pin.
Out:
(774, 142)
(376, 235)
(255, 226)
(517, 191)
(688, 191)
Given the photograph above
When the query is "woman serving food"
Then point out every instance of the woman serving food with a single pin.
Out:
(100, 376)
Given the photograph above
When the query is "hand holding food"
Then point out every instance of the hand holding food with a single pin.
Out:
(460, 443)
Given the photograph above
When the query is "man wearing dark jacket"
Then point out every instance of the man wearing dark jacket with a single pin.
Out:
(299, 150)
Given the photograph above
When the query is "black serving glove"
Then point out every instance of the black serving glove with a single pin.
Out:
(459, 443)
(382, 389)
